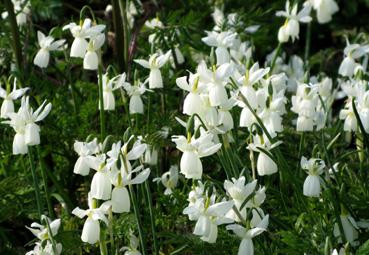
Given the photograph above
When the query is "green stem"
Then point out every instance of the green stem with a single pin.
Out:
(307, 44)
(111, 232)
(277, 52)
(152, 217)
(46, 189)
(123, 13)
(15, 42)
(102, 243)
(35, 182)
(139, 224)
(51, 237)
(101, 104)
(119, 33)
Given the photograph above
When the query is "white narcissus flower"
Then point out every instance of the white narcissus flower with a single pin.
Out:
(352, 52)
(84, 151)
(314, 167)
(291, 27)
(47, 44)
(81, 33)
(209, 215)
(138, 149)
(239, 191)
(265, 165)
(246, 245)
(222, 41)
(91, 228)
(247, 81)
(324, 9)
(133, 245)
(169, 179)
(8, 105)
(154, 64)
(350, 229)
(193, 102)
(193, 149)
(110, 85)
(45, 246)
(154, 23)
(215, 80)
(21, 10)
(120, 200)
(91, 59)
(135, 101)
(100, 184)
(24, 124)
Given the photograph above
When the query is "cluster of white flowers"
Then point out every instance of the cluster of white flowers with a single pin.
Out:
(87, 50)
(45, 245)
(114, 174)
(22, 9)
(24, 121)
(243, 207)
(291, 27)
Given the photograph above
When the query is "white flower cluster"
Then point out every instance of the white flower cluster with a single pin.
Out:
(87, 50)
(46, 245)
(114, 174)
(27, 132)
(242, 208)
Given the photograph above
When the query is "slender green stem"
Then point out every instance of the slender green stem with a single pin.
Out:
(51, 237)
(15, 42)
(46, 189)
(307, 44)
(277, 52)
(119, 33)
(152, 218)
(139, 223)
(102, 242)
(35, 182)
(111, 232)
(101, 104)
(123, 13)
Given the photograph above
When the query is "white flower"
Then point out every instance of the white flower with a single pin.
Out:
(91, 228)
(349, 228)
(47, 44)
(169, 179)
(45, 246)
(21, 9)
(154, 64)
(135, 92)
(85, 151)
(193, 149)
(209, 215)
(193, 102)
(314, 168)
(215, 81)
(154, 23)
(120, 200)
(24, 124)
(8, 105)
(291, 27)
(247, 81)
(239, 191)
(222, 41)
(265, 164)
(324, 9)
(352, 52)
(81, 33)
(110, 85)
(91, 59)
(247, 246)
(133, 245)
